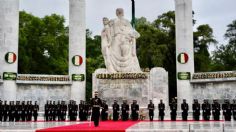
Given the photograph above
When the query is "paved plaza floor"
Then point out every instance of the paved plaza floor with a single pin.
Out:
(142, 126)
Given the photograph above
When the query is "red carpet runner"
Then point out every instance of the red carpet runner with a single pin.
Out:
(108, 126)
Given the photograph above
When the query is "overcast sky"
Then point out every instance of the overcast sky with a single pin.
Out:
(217, 13)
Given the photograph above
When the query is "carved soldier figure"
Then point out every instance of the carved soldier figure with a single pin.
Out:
(196, 110)
(125, 111)
(134, 110)
(104, 113)
(151, 109)
(96, 104)
(233, 108)
(216, 110)
(173, 108)
(116, 109)
(35, 110)
(185, 108)
(161, 107)
(206, 108)
(226, 107)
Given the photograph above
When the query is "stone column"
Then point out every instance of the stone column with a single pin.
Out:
(77, 46)
(184, 47)
(9, 26)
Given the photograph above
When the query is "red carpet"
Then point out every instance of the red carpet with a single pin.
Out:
(108, 126)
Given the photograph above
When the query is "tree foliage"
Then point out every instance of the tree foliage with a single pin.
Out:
(224, 58)
(43, 44)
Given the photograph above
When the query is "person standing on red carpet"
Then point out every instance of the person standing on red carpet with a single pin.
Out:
(96, 104)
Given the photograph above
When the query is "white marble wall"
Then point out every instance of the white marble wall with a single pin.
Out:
(184, 43)
(155, 87)
(77, 46)
(42, 93)
(214, 90)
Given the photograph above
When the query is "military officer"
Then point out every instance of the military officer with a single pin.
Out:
(185, 108)
(125, 111)
(216, 110)
(151, 109)
(161, 108)
(63, 110)
(116, 109)
(46, 110)
(1, 110)
(35, 110)
(5, 111)
(196, 110)
(226, 107)
(134, 110)
(206, 108)
(233, 108)
(96, 104)
(173, 108)
(104, 113)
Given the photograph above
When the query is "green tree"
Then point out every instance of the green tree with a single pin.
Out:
(43, 44)
(224, 58)
(203, 38)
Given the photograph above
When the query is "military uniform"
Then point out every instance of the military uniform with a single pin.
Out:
(1, 110)
(151, 109)
(185, 108)
(116, 109)
(173, 108)
(233, 108)
(5, 111)
(35, 110)
(161, 108)
(216, 110)
(63, 111)
(46, 111)
(196, 110)
(226, 107)
(104, 113)
(125, 111)
(206, 108)
(96, 104)
(134, 111)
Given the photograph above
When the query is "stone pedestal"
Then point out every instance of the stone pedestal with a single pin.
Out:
(153, 87)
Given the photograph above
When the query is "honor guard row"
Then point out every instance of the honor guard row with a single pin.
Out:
(18, 111)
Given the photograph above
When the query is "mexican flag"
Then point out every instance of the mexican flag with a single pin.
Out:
(10, 57)
(77, 60)
(183, 58)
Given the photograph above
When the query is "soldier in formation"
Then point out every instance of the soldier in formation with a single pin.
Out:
(161, 108)
(134, 111)
(216, 110)
(206, 108)
(104, 113)
(151, 109)
(184, 108)
(116, 110)
(226, 107)
(173, 108)
(124, 111)
(196, 110)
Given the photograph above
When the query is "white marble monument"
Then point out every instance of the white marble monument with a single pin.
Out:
(184, 47)
(119, 45)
